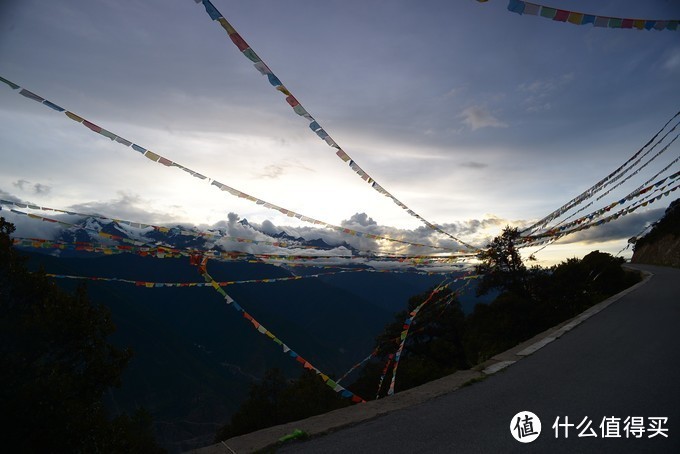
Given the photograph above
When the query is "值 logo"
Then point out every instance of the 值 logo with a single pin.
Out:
(525, 427)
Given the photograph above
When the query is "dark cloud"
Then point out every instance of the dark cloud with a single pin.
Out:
(38, 188)
(21, 183)
(41, 189)
(620, 229)
(472, 227)
(361, 219)
(10, 197)
(474, 165)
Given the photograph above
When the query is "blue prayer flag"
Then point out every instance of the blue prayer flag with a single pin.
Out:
(516, 6)
(274, 80)
(588, 19)
(211, 10)
(53, 106)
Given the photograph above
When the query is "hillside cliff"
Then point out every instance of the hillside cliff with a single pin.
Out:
(661, 246)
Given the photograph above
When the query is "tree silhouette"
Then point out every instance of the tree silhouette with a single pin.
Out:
(501, 265)
(56, 366)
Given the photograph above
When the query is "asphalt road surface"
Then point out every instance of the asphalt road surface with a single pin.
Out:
(623, 362)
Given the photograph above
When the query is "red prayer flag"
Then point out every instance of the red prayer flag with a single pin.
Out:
(240, 42)
(92, 126)
(627, 23)
(561, 15)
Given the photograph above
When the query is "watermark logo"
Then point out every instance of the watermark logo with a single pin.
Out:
(613, 427)
(525, 426)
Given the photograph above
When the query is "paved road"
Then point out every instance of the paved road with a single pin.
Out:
(622, 362)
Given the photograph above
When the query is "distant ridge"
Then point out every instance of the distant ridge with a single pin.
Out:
(87, 229)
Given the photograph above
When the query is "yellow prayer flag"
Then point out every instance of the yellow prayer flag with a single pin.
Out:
(283, 90)
(73, 116)
(575, 18)
(151, 155)
(226, 25)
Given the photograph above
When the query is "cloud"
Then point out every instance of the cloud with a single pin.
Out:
(477, 232)
(473, 165)
(41, 189)
(620, 229)
(30, 228)
(546, 86)
(272, 171)
(38, 188)
(269, 228)
(126, 206)
(477, 117)
(7, 196)
(25, 226)
(539, 92)
(361, 219)
(20, 184)
(453, 92)
(672, 61)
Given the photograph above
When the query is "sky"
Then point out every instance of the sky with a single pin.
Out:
(473, 116)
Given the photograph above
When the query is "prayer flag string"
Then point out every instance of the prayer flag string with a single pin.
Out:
(642, 186)
(388, 363)
(314, 125)
(152, 284)
(404, 333)
(576, 18)
(596, 214)
(538, 239)
(148, 284)
(338, 388)
(596, 187)
(639, 169)
(468, 278)
(169, 252)
(357, 365)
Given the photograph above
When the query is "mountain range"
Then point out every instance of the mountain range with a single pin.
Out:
(88, 229)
